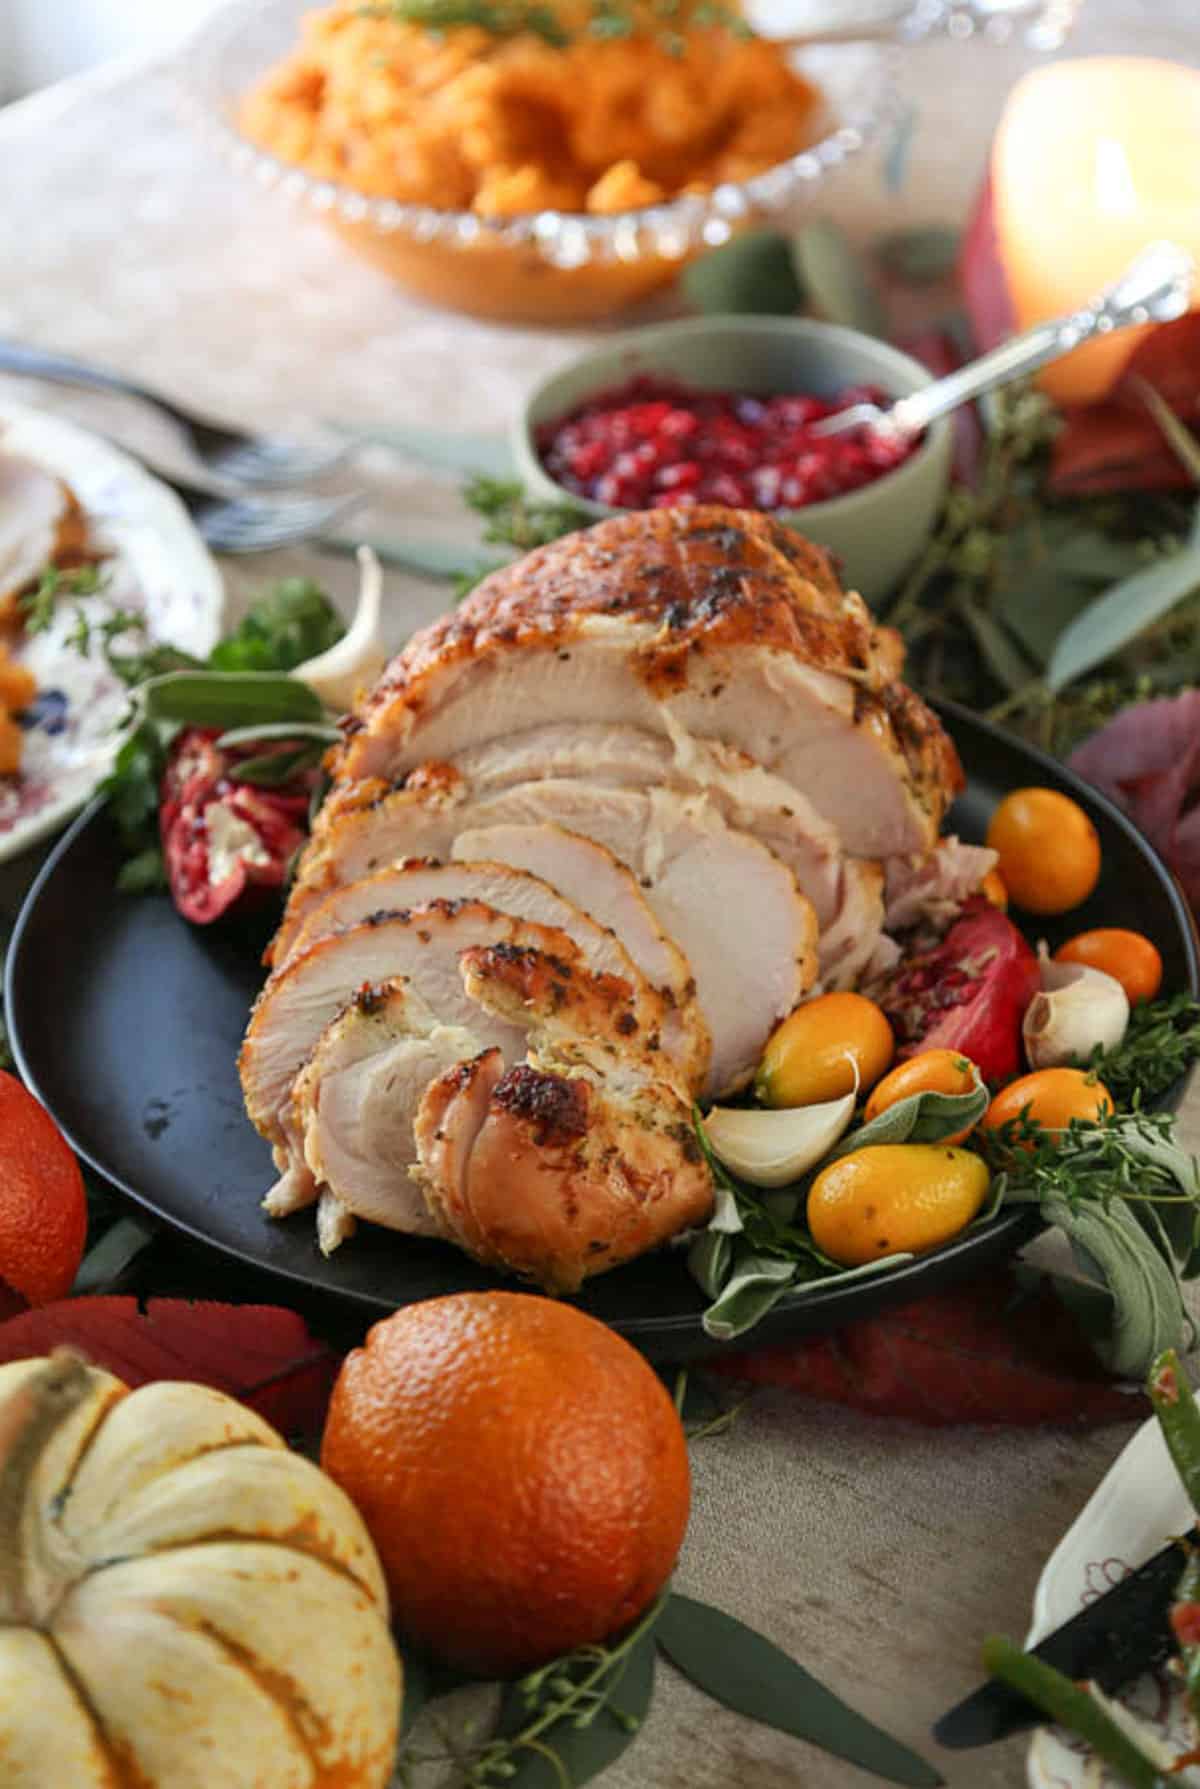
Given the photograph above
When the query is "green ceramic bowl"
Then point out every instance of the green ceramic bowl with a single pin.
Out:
(877, 531)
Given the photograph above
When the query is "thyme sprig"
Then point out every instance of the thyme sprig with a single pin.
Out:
(514, 519)
(1161, 1043)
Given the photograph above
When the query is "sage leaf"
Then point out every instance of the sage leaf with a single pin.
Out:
(143, 873)
(710, 1260)
(1121, 614)
(919, 257)
(837, 281)
(752, 274)
(756, 1282)
(921, 1118)
(1178, 1221)
(230, 699)
(273, 769)
(276, 730)
(1111, 1247)
(749, 1674)
(582, 1751)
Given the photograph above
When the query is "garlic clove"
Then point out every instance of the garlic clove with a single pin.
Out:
(1077, 1009)
(771, 1147)
(359, 656)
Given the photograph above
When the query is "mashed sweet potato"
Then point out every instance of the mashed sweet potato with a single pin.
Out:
(586, 116)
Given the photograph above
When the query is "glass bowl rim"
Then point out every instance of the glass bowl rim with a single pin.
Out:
(672, 229)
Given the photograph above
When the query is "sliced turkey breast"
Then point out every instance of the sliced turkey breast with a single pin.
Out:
(514, 891)
(368, 824)
(355, 1098)
(423, 946)
(564, 1165)
(699, 623)
(933, 889)
(727, 902)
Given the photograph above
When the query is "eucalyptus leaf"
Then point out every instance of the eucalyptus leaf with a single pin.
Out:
(752, 274)
(1112, 1247)
(445, 448)
(1121, 614)
(920, 256)
(749, 1674)
(921, 1118)
(109, 1259)
(899, 150)
(1002, 657)
(583, 1751)
(837, 280)
(426, 558)
(230, 699)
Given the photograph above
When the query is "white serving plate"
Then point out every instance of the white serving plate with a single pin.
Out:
(1134, 1511)
(159, 567)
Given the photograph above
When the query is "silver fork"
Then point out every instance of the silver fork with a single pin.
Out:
(229, 454)
(259, 524)
(1155, 288)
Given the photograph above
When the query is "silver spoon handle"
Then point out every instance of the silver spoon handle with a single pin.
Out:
(1155, 288)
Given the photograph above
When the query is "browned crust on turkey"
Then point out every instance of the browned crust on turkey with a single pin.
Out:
(696, 580)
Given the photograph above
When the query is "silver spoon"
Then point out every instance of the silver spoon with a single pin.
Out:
(1155, 288)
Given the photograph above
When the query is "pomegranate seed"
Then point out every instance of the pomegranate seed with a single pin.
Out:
(623, 448)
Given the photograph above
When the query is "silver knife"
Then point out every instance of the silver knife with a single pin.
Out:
(1110, 1642)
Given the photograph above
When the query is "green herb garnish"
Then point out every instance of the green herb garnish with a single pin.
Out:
(39, 604)
(513, 519)
(1161, 1043)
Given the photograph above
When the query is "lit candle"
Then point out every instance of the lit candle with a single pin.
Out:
(1093, 159)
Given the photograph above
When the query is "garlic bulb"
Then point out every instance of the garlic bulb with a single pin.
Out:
(359, 656)
(1077, 1009)
(773, 1147)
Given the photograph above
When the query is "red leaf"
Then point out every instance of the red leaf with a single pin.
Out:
(261, 1354)
(1147, 760)
(1117, 445)
(964, 1356)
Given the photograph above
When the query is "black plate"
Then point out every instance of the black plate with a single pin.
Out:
(126, 1021)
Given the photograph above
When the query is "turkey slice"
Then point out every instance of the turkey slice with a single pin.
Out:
(564, 1165)
(423, 946)
(524, 896)
(699, 624)
(355, 1099)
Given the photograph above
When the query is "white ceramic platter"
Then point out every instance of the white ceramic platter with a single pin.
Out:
(1135, 1510)
(158, 566)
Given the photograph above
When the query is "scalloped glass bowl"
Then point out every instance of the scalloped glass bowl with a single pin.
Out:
(551, 267)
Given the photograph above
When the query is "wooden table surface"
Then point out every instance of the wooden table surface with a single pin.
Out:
(878, 1553)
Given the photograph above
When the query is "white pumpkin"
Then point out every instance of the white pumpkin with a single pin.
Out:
(184, 1602)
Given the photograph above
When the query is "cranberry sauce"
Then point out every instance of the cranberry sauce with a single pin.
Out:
(652, 444)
